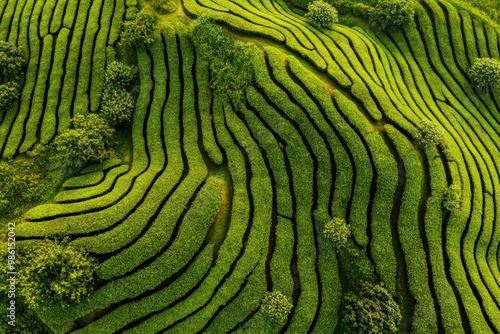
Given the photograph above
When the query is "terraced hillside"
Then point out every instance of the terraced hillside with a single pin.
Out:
(220, 203)
(67, 43)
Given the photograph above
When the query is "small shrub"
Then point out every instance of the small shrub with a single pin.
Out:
(338, 231)
(139, 32)
(12, 62)
(276, 305)
(485, 73)
(88, 141)
(453, 198)
(55, 273)
(117, 106)
(119, 75)
(429, 134)
(321, 14)
(9, 94)
(392, 13)
(370, 310)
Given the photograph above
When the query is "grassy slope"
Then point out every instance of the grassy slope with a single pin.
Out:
(326, 129)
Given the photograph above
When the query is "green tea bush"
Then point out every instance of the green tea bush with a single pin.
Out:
(485, 73)
(429, 134)
(117, 106)
(9, 93)
(11, 62)
(55, 273)
(338, 231)
(89, 140)
(139, 31)
(119, 75)
(453, 198)
(370, 310)
(389, 14)
(276, 305)
(321, 14)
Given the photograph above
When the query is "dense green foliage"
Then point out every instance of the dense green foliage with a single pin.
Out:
(370, 310)
(453, 198)
(230, 60)
(55, 273)
(165, 6)
(119, 75)
(489, 7)
(9, 93)
(89, 140)
(117, 102)
(390, 14)
(276, 305)
(214, 204)
(338, 231)
(355, 267)
(20, 185)
(322, 14)
(429, 134)
(485, 73)
(117, 106)
(12, 62)
(139, 32)
(29, 179)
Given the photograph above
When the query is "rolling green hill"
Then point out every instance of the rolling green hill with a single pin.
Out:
(220, 202)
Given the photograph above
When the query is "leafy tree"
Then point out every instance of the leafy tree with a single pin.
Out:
(27, 321)
(322, 14)
(9, 93)
(370, 310)
(389, 14)
(429, 134)
(12, 62)
(485, 73)
(230, 61)
(119, 75)
(89, 140)
(139, 32)
(55, 273)
(117, 106)
(276, 305)
(338, 231)
(453, 198)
